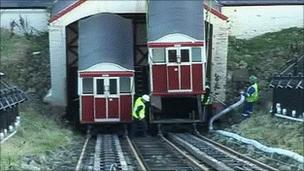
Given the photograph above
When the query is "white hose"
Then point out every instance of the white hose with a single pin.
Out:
(262, 147)
(255, 143)
(228, 109)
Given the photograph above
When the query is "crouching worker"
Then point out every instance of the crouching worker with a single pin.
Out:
(251, 96)
(139, 124)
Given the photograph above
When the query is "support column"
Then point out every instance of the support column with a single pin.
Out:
(57, 93)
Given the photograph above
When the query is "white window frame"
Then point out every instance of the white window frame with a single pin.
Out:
(107, 96)
(179, 64)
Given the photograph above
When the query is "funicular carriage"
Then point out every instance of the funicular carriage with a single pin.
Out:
(177, 60)
(105, 75)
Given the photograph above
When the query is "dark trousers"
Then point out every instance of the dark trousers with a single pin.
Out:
(207, 109)
(248, 107)
(139, 128)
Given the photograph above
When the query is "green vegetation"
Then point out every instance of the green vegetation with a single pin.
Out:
(265, 55)
(272, 131)
(36, 135)
(25, 61)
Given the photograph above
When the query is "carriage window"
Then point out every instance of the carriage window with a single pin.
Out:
(158, 55)
(196, 55)
(100, 86)
(113, 86)
(125, 85)
(184, 55)
(172, 55)
(87, 86)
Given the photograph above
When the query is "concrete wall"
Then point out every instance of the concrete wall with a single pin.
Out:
(250, 21)
(36, 19)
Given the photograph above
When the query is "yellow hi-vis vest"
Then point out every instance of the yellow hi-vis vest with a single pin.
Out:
(255, 95)
(141, 113)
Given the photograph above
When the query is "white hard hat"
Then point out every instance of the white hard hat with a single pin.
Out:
(146, 98)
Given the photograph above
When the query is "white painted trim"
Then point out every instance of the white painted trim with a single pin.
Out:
(90, 8)
(178, 51)
(100, 67)
(175, 37)
(107, 120)
(107, 96)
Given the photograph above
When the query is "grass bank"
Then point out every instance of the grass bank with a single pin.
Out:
(25, 61)
(266, 55)
(37, 134)
(272, 131)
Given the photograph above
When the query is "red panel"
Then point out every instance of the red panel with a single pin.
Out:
(87, 108)
(125, 108)
(159, 74)
(100, 108)
(185, 77)
(113, 108)
(197, 77)
(215, 12)
(173, 81)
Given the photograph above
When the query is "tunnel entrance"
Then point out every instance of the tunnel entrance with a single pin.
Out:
(140, 62)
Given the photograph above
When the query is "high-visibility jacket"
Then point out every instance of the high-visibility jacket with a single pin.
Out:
(139, 109)
(252, 93)
(206, 100)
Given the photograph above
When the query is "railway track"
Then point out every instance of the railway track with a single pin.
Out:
(215, 155)
(180, 152)
(157, 153)
(106, 152)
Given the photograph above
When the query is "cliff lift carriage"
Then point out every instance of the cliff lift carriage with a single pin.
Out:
(105, 74)
(177, 60)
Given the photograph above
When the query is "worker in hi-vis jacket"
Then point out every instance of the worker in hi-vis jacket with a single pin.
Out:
(251, 96)
(139, 124)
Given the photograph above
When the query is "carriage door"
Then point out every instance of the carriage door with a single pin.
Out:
(179, 69)
(106, 99)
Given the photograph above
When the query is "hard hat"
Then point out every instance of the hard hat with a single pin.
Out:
(207, 87)
(253, 79)
(146, 98)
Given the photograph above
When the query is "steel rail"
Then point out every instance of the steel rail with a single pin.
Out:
(151, 149)
(218, 165)
(136, 155)
(82, 153)
(239, 155)
(190, 158)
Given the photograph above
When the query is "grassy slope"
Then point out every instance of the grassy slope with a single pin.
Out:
(266, 54)
(39, 132)
(272, 131)
(28, 71)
